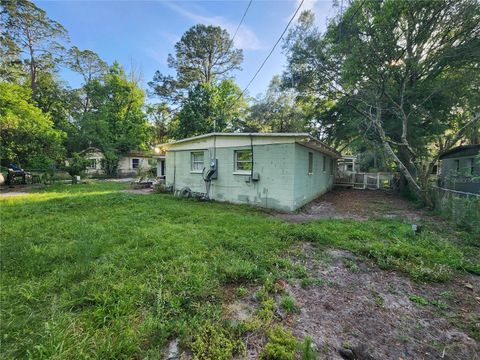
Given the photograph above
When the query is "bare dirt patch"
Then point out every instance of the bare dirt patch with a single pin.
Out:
(356, 204)
(146, 191)
(13, 193)
(355, 304)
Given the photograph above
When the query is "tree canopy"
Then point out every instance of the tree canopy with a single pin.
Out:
(401, 73)
(208, 108)
(32, 31)
(205, 54)
(28, 136)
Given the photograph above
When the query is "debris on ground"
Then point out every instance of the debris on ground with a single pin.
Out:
(356, 204)
(368, 314)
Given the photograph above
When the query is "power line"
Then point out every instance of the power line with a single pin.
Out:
(241, 21)
(172, 114)
(273, 49)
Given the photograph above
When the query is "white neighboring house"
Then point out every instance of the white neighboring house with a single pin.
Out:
(128, 164)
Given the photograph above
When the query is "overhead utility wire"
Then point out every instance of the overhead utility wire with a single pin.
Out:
(230, 44)
(228, 49)
(273, 49)
(241, 22)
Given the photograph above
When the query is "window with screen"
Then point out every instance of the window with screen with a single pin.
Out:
(243, 161)
(135, 163)
(197, 161)
(324, 167)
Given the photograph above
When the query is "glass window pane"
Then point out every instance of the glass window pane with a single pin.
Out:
(244, 155)
(243, 160)
(197, 161)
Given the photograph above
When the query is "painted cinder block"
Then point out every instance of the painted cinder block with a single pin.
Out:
(284, 182)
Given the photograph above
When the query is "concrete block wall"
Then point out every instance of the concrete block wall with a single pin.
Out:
(307, 186)
(283, 169)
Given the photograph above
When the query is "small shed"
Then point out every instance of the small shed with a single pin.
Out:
(460, 169)
(282, 171)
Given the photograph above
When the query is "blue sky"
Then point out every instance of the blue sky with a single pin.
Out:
(142, 33)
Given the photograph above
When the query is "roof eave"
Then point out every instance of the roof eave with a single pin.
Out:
(326, 148)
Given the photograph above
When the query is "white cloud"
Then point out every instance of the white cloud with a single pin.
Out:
(170, 37)
(307, 4)
(246, 38)
(157, 55)
(323, 10)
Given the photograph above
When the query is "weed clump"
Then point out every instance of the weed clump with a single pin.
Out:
(288, 304)
(429, 257)
(214, 342)
(281, 345)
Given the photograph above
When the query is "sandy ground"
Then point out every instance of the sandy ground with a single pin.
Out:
(361, 305)
(353, 304)
(356, 204)
(12, 193)
(146, 191)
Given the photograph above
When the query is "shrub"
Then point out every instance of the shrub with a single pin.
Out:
(144, 173)
(110, 163)
(213, 342)
(281, 345)
(76, 165)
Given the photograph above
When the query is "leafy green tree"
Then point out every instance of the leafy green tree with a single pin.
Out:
(11, 66)
(110, 162)
(209, 108)
(89, 65)
(407, 70)
(27, 135)
(34, 33)
(115, 121)
(278, 111)
(159, 118)
(204, 54)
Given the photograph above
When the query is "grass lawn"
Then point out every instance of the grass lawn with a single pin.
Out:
(90, 271)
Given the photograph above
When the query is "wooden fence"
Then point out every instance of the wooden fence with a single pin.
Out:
(366, 180)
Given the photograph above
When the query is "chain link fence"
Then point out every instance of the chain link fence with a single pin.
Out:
(462, 207)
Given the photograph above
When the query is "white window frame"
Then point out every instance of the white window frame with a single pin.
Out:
(197, 166)
(236, 170)
(138, 164)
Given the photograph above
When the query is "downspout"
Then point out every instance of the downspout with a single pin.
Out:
(251, 149)
(174, 168)
(214, 147)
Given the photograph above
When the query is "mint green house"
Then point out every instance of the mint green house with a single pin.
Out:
(282, 171)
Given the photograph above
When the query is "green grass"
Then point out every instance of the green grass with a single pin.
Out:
(433, 255)
(88, 271)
